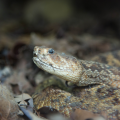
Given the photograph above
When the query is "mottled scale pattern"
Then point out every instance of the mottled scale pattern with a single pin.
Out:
(96, 99)
(104, 95)
(98, 73)
(110, 58)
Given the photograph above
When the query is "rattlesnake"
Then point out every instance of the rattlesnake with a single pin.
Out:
(104, 96)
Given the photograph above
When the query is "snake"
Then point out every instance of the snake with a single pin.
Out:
(104, 79)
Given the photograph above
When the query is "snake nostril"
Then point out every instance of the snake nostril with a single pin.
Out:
(34, 54)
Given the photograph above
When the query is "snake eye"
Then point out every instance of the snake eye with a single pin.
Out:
(51, 51)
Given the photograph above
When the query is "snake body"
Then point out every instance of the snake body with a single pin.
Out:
(104, 96)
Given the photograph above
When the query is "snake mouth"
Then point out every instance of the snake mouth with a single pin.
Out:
(39, 62)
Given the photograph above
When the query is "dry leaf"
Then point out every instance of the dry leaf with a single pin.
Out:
(23, 96)
(25, 100)
(19, 79)
(79, 114)
(8, 106)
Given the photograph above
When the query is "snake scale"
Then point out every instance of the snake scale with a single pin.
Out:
(103, 96)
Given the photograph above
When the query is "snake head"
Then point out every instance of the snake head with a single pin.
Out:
(62, 65)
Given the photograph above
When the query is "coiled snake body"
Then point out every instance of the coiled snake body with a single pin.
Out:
(104, 96)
